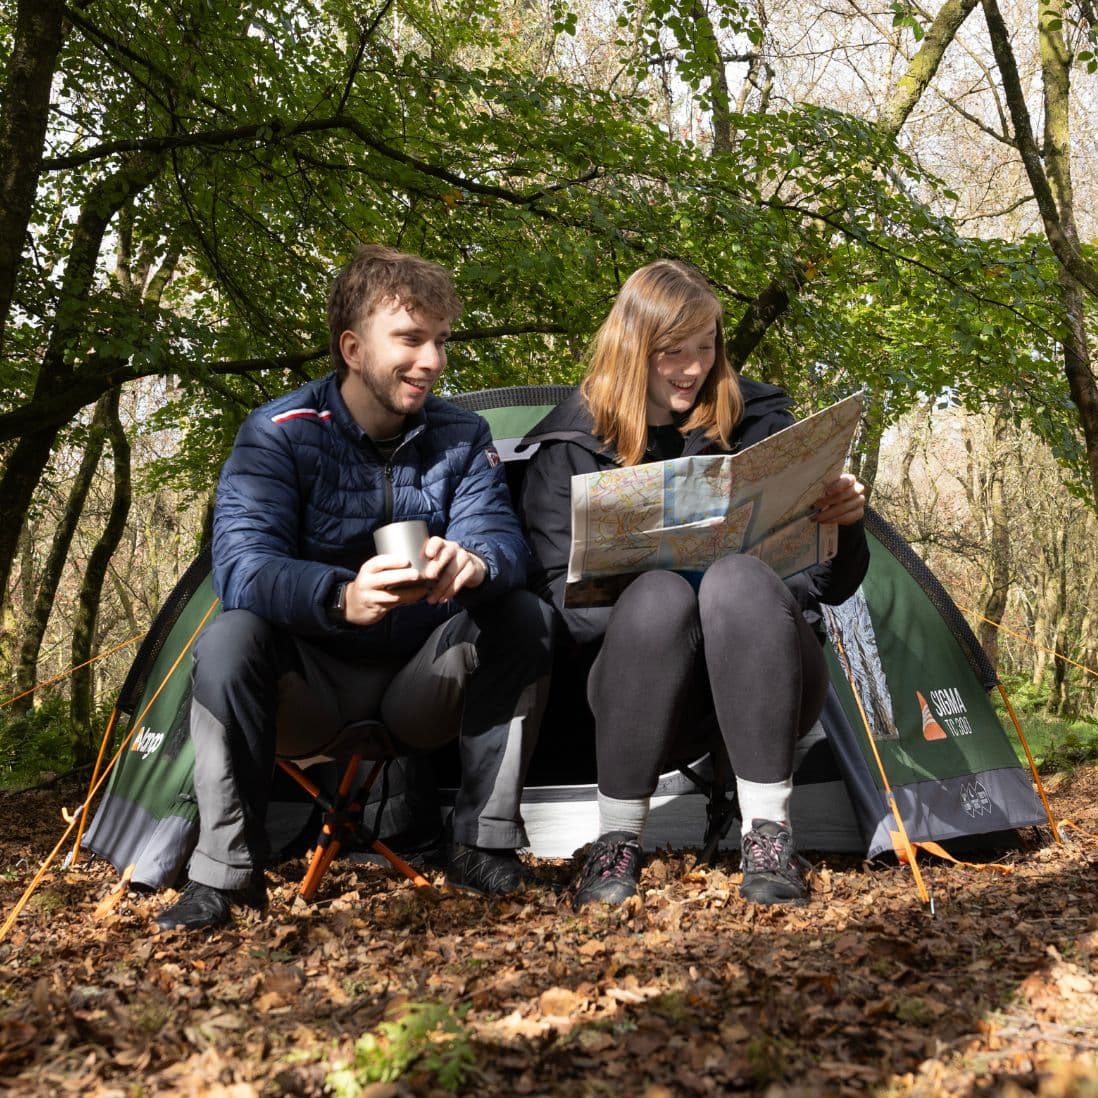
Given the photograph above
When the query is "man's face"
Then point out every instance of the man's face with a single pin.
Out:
(393, 358)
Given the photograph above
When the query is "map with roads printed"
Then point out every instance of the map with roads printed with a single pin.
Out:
(682, 515)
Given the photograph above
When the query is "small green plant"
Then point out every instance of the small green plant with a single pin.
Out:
(672, 1005)
(914, 1011)
(425, 1035)
(768, 1058)
(151, 1017)
(1056, 744)
(47, 901)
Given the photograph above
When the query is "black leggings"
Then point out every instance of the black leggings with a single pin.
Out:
(739, 649)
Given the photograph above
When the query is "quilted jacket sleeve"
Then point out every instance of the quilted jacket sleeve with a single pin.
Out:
(483, 520)
(255, 545)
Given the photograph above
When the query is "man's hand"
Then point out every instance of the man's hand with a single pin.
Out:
(382, 583)
(843, 501)
(452, 568)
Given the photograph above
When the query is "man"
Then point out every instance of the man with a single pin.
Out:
(320, 631)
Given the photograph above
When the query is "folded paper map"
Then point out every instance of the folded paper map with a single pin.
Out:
(682, 515)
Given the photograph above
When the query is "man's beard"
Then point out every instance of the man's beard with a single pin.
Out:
(378, 392)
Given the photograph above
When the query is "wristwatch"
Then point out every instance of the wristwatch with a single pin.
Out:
(337, 604)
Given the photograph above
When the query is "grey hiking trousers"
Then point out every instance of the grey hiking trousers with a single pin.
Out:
(482, 676)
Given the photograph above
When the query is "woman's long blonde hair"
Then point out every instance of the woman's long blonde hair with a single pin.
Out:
(659, 305)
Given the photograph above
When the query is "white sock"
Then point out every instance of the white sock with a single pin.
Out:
(615, 815)
(763, 801)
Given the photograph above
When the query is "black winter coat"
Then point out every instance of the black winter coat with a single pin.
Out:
(567, 445)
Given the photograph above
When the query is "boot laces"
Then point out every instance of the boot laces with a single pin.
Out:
(612, 859)
(771, 852)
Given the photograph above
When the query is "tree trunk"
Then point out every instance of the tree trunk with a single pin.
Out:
(125, 600)
(1050, 181)
(997, 583)
(28, 460)
(91, 589)
(24, 114)
(867, 448)
(1040, 629)
(35, 627)
(1059, 634)
(910, 87)
(719, 100)
(22, 472)
(1088, 657)
(9, 621)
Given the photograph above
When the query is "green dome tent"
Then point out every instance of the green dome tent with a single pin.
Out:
(900, 648)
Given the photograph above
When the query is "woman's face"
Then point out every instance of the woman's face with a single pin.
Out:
(676, 375)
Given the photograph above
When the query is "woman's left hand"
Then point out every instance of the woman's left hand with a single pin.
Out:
(843, 501)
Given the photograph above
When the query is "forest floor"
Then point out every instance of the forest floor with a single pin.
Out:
(686, 991)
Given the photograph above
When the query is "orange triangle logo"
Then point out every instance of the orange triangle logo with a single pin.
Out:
(932, 730)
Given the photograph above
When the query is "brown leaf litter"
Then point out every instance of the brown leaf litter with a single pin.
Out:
(685, 991)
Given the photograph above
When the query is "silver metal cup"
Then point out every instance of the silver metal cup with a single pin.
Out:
(404, 539)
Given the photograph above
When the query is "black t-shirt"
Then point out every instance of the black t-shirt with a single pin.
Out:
(386, 447)
(664, 443)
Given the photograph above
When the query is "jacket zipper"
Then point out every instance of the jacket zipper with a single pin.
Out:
(387, 508)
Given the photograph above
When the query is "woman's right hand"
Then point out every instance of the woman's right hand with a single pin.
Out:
(843, 502)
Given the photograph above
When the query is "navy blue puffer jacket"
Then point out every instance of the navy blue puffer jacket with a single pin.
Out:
(304, 489)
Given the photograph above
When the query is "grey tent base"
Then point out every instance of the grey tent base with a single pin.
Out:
(126, 833)
(991, 801)
(560, 819)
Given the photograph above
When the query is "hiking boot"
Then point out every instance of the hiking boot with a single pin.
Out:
(486, 872)
(773, 872)
(611, 870)
(203, 907)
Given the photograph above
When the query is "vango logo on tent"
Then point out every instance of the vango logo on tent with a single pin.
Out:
(147, 742)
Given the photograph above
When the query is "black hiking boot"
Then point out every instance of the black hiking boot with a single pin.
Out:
(486, 872)
(611, 870)
(773, 872)
(203, 907)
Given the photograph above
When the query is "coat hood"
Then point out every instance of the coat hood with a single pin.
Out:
(571, 421)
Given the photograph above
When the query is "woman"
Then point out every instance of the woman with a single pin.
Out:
(744, 646)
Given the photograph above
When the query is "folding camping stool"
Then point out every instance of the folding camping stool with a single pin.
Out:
(357, 742)
(713, 776)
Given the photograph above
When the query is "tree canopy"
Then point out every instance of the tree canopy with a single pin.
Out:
(179, 183)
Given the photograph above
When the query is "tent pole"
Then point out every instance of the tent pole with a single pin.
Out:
(908, 849)
(29, 892)
(23, 900)
(65, 674)
(107, 733)
(1032, 764)
(1028, 640)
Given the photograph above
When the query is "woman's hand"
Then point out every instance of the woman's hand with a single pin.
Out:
(843, 501)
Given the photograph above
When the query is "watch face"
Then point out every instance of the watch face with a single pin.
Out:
(338, 602)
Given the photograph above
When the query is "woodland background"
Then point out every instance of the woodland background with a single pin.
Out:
(887, 196)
